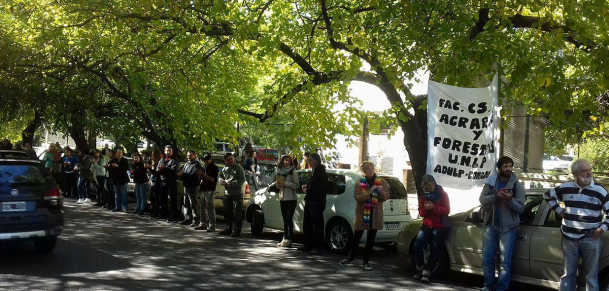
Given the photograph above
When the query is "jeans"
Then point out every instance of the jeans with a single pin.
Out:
(495, 240)
(433, 237)
(313, 225)
(169, 195)
(120, 191)
(69, 187)
(83, 189)
(110, 194)
(589, 249)
(141, 196)
(155, 195)
(233, 206)
(288, 207)
(100, 195)
(251, 180)
(190, 202)
(207, 209)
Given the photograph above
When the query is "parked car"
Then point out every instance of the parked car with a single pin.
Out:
(31, 205)
(263, 209)
(537, 257)
(557, 163)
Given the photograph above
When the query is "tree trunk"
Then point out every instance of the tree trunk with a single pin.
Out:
(28, 133)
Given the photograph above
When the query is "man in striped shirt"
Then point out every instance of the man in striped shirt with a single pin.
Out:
(582, 224)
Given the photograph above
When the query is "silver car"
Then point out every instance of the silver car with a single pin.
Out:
(537, 257)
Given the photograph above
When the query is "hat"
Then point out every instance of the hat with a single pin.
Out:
(207, 156)
(316, 158)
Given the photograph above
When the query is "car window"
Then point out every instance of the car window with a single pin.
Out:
(220, 147)
(15, 174)
(552, 219)
(396, 188)
(531, 207)
(336, 182)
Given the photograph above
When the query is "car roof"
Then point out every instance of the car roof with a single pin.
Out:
(15, 155)
(21, 161)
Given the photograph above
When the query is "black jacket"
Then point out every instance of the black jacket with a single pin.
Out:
(140, 173)
(316, 189)
(119, 174)
(168, 174)
(211, 170)
(190, 177)
(155, 175)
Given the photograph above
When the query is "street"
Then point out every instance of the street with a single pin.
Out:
(100, 250)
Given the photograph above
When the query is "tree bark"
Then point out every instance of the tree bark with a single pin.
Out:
(28, 133)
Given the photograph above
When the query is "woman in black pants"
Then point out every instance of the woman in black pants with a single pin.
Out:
(370, 193)
(286, 181)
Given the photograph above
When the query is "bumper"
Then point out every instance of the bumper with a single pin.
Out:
(31, 234)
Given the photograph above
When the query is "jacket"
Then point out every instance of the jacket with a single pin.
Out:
(140, 173)
(291, 183)
(190, 177)
(211, 170)
(377, 212)
(436, 217)
(99, 166)
(168, 174)
(155, 175)
(235, 176)
(86, 171)
(119, 174)
(510, 210)
(316, 189)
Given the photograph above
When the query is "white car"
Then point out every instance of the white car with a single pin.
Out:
(560, 164)
(263, 209)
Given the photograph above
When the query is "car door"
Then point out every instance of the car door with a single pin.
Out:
(303, 178)
(546, 247)
(521, 264)
(272, 210)
(469, 235)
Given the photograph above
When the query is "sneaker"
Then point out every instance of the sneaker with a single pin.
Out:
(286, 243)
(194, 223)
(418, 276)
(367, 267)
(211, 229)
(426, 276)
(201, 227)
(315, 252)
(185, 222)
(125, 211)
(226, 232)
(345, 262)
(116, 210)
(235, 234)
(280, 243)
(80, 201)
(87, 200)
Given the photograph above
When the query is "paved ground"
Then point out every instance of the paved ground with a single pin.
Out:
(100, 250)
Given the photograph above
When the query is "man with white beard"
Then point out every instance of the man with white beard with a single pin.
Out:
(582, 224)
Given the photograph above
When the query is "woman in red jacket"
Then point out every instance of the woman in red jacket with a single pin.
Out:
(434, 207)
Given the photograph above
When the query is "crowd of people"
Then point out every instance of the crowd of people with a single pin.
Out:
(502, 198)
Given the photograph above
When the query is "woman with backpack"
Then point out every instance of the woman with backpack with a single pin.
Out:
(434, 207)
(286, 181)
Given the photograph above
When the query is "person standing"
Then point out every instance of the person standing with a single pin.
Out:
(502, 200)
(49, 157)
(190, 176)
(232, 178)
(118, 168)
(582, 224)
(29, 150)
(157, 190)
(434, 207)
(250, 166)
(315, 204)
(287, 182)
(139, 174)
(369, 194)
(86, 177)
(208, 190)
(70, 163)
(168, 168)
(100, 173)
(110, 194)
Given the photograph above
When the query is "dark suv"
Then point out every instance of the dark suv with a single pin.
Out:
(31, 206)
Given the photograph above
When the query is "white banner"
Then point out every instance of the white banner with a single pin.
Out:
(462, 134)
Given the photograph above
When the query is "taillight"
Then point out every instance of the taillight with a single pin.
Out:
(247, 189)
(52, 193)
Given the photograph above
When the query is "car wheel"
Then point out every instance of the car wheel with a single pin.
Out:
(441, 267)
(340, 236)
(257, 223)
(45, 245)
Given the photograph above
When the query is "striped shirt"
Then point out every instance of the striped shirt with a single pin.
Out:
(583, 208)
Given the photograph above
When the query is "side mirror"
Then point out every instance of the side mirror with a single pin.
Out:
(476, 217)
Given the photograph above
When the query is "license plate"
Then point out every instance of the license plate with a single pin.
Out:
(392, 226)
(13, 206)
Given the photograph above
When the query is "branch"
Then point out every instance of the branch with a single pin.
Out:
(522, 21)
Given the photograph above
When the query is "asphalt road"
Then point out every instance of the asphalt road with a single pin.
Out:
(100, 250)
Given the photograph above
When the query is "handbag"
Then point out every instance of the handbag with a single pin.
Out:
(274, 188)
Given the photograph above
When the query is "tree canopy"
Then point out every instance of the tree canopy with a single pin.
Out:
(186, 72)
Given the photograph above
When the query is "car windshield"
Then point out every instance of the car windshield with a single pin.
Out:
(12, 174)
(396, 188)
